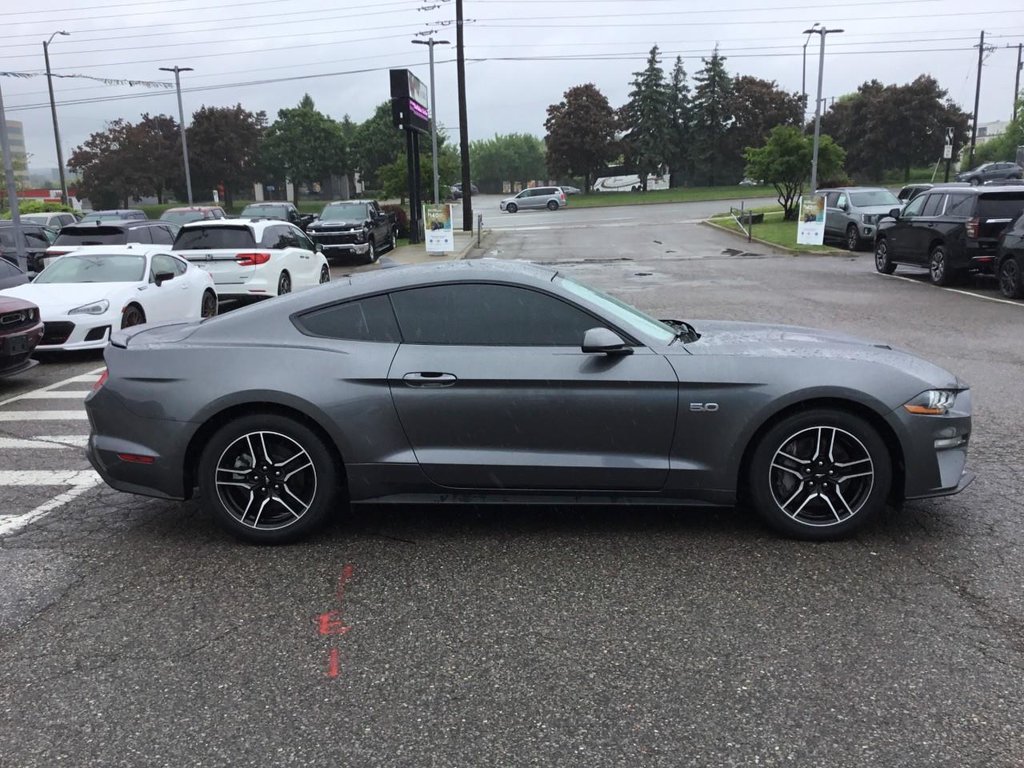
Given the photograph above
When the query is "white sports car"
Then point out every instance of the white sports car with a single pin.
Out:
(83, 296)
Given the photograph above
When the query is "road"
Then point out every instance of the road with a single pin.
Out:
(133, 632)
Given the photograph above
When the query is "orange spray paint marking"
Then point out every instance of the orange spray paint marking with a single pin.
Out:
(330, 623)
(332, 663)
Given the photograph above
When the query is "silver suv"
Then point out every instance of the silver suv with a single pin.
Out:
(852, 213)
(551, 198)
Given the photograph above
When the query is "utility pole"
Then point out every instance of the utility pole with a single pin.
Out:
(817, 104)
(1016, 80)
(977, 99)
(433, 115)
(181, 124)
(803, 78)
(12, 190)
(53, 113)
(460, 63)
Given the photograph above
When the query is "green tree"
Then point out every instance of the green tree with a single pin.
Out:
(1003, 147)
(105, 161)
(711, 118)
(756, 107)
(646, 120)
(678, 150)
(580, 134)
(304, 146)
(510, 157)
(377, 143)
(785, 162)
(224, 146)
(153, 152)
(394, 177)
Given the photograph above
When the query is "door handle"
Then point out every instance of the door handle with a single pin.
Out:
(429, 379)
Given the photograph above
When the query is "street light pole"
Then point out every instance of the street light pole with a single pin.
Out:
(817, 104)
(803, 78)
(12, 190)
(53, 113)
(433, 115)
(181, 124)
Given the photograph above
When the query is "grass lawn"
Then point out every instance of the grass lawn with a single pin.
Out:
(775, 230)
(677, 195)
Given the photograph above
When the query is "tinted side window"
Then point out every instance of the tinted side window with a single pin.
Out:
(275, 237)
(7, 269)
(488, 315)
(959, 205)
(362, 320)
(933, 205)
(1001, 206)
(139, 235)
(914, 206)
(830, 199)
(164, 263)
(36, 240)
(160, 235)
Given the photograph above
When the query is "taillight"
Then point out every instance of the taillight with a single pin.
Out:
(972, 227)
(101, 380)
(251, 259)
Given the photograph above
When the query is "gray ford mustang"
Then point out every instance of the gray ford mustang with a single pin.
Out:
(496, 381)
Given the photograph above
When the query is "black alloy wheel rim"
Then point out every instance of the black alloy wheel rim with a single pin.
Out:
(851, 239)
(938, 266)
(881, 256)
(1009, 278)
(821, 476)
(266, 481)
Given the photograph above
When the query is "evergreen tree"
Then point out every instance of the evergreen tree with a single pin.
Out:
(711, 118)
(647, 120)
(679, 156)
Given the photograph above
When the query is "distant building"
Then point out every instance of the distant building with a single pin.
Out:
(16, 137)
(991, 130)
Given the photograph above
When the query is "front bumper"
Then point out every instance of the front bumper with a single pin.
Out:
(358, 249)
(935, 450)
(73, 332)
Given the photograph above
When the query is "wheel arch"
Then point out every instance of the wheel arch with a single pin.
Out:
(936, 241)
(852, 407)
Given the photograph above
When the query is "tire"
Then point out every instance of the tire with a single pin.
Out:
(938, 267)
(882, 261)
(325, 274)
(552, 205)
(209, 306)
(267, 479)
(974, 181)
(852, 238)
(820, 475)
(372, 255)
(394, 241)
(511, 207)
(284, 284)
(1011, 277)
(133, 315)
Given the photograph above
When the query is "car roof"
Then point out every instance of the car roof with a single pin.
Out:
(276, 203)
(852, 189)
(125, 223)
(345, 202)
(130, 249)
(9, 223)
(255, 221)
(193, 208)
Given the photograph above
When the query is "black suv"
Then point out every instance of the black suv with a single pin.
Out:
(991, 172)
(948, 230)
(111, 233)
(280, 211)
(34, 238)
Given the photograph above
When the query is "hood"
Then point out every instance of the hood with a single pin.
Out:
(57, 298)
(10, 303)
(722, 337)
(344, 224)
(878, 209)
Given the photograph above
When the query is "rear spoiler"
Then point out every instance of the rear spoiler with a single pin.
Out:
(169, 331)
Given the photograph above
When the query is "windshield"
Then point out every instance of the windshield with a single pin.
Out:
(95, 268)
(212, 238)
(627, 315)
(182, 217)
(878, 197)
(264, 211)
(345, 212)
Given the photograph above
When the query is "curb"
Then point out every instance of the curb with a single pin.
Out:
(782, 248)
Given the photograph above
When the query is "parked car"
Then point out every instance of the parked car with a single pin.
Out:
(990, 172)
(551, 198)
(1009, 263)
(11, 275)
(910, 191)
(189, 214)
(253, 259)
(456, 190)
(851, 213)
(493, 380)
(83, 297)
(1004, 183)
(85, 235)
(571, 190)
(115, 214)
(278, 210)
(20, 331)
(53, 220)
(35, 239)
(354, 227)
(949, 231)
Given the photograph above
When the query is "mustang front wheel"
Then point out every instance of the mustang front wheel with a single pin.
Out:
(820, 474)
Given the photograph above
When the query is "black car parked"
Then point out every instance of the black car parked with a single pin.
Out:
(1010, 261)
(280, 211)
(111, 233)
(35, 238)
(10, 275)
(949, 230)
(991, 172)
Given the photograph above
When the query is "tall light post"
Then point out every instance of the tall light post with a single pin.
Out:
(803, 78)
(433, 116)
(53, 113)
(817, 104)
(181, 124)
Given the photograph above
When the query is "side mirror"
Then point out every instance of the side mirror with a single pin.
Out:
(162, 277)
(605, 341)
(319, 248)
(894, 213)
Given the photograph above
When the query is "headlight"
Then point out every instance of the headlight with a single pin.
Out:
(360, 234)
(934, 402)
(96, 308)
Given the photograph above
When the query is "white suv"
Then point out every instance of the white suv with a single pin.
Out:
(253, 258)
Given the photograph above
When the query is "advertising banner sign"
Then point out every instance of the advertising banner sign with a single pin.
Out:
(811, 228)
(437, 224)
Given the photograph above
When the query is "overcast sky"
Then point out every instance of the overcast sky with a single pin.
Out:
(522, 54)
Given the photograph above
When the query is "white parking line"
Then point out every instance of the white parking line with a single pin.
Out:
(89, 377)
(13, 477)
(43, 416)
(12, 523)
(44, 442)
(956, 290)
(62, 394)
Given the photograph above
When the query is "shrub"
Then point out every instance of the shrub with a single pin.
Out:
(401, 218)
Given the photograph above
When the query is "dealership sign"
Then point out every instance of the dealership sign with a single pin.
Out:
(409, 98)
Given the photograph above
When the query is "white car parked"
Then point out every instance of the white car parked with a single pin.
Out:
(84, 296)
(253, 258)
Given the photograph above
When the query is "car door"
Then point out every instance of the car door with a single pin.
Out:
(927, 228)
(301, 252)
(494, 392)
(165, 301)
(831, 212)
(900, 236)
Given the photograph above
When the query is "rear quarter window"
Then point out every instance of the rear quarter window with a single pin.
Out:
(959, 205)
(213, 238)
(370, 319)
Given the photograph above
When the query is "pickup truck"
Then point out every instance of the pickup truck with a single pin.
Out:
(356, 227)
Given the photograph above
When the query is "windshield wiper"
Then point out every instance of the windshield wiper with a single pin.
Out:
(685, 332)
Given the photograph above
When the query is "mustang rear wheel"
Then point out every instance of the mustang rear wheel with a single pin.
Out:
(267, 479)
(820, 474)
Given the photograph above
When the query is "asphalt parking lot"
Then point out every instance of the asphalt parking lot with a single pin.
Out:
(134, 632)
